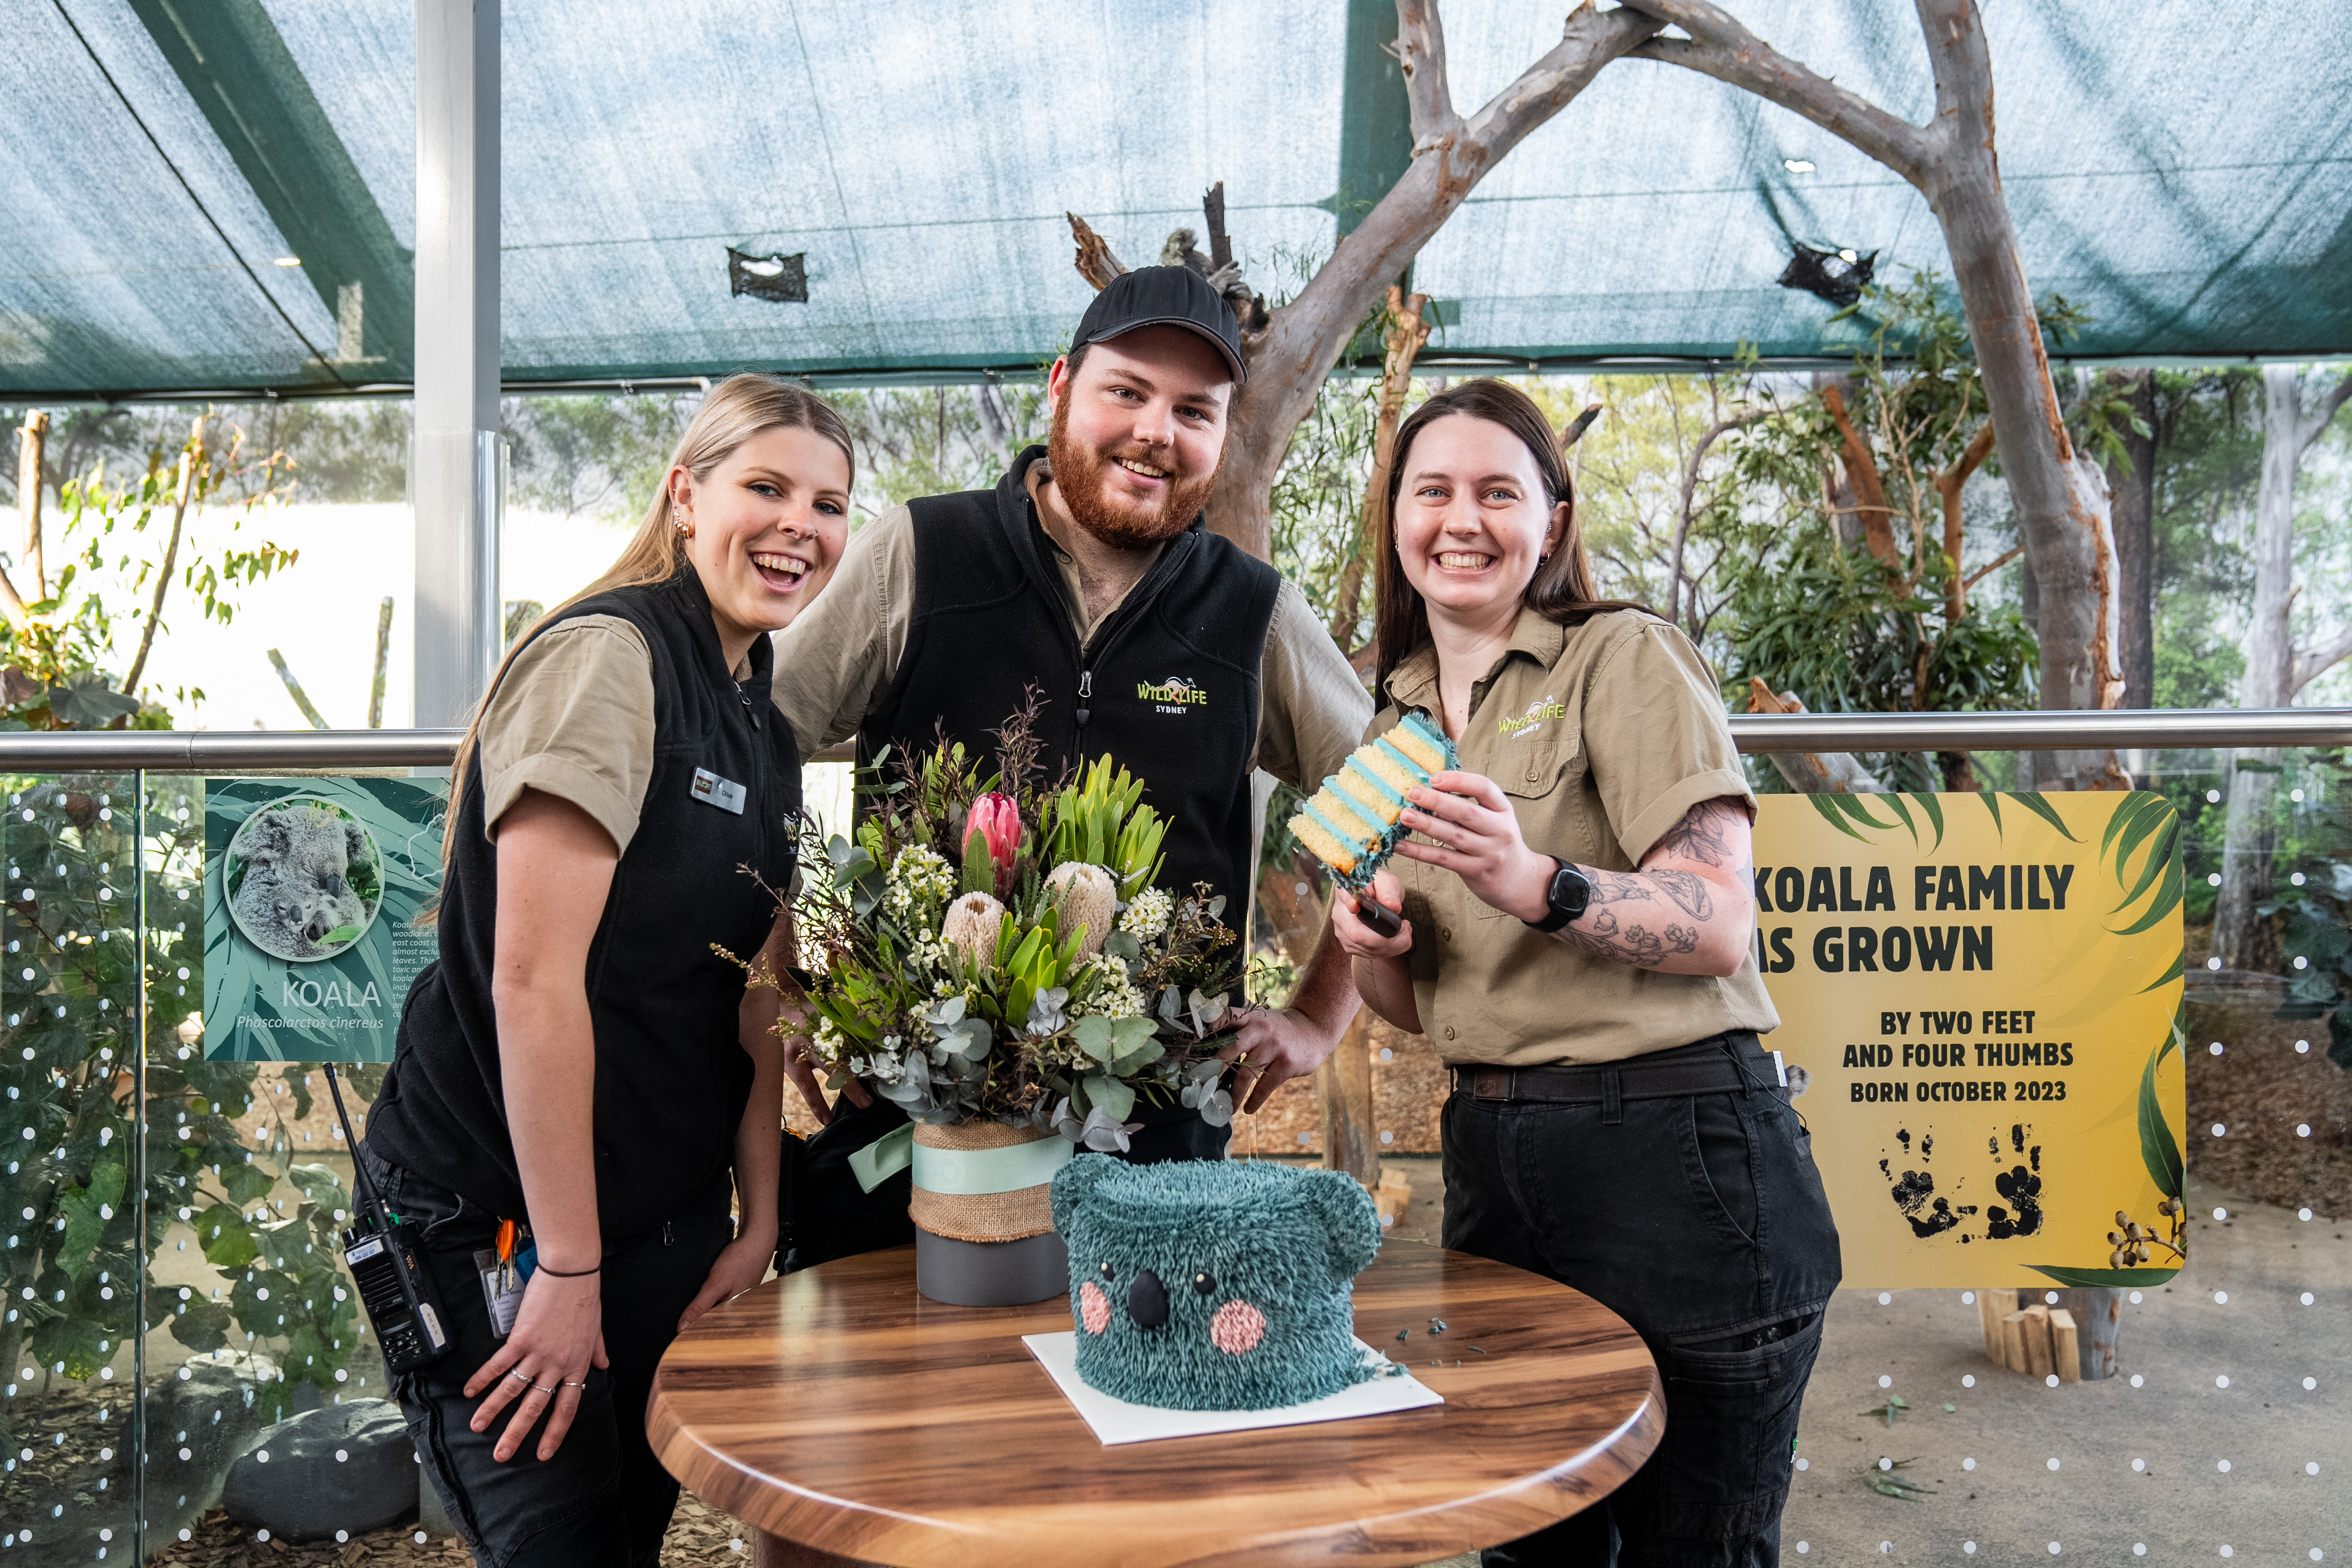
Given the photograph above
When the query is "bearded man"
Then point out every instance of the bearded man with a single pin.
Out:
(1089, 574)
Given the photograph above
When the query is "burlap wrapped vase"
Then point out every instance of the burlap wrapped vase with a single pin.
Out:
(984, 1213)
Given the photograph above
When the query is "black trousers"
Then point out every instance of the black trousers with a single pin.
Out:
(603, 1500)
(1701, 1221)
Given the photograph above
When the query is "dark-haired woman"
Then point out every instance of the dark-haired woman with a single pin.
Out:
(579, 1062)
(1577, 922)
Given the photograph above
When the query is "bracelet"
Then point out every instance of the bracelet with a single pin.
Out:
(576, 1274)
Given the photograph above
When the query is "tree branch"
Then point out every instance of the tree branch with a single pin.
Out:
(189, 458)
(2311, 663)
(1690, 492)
(1995, 565)
(2322, 415)
(1719, 47)
(1421, 50)
(1949, 484)
(1869, 488)
(1407, 330)
(1096, 263)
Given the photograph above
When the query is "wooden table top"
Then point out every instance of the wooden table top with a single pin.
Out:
(838, 1409)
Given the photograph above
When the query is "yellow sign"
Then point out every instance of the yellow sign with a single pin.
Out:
(1983, 989)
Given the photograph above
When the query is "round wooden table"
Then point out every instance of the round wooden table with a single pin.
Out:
(846, 1418)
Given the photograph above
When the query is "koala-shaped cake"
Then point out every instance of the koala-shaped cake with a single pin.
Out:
(1211, 1285)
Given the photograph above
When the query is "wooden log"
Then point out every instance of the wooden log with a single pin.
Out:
(2035, 1332)
(2012, 1343)
(2066, 1353)
(1992, 1306)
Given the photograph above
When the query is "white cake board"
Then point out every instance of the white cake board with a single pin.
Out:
(1116, 1421)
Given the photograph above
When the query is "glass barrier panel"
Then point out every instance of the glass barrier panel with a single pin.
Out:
(69, 1194)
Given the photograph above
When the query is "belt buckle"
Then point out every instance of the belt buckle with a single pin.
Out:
(1491, 1083)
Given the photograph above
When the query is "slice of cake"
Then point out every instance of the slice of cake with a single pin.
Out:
(1351, 823)
(1214, 1284)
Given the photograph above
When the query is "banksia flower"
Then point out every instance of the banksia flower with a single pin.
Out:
(992, 843)
(1089, 897)
(971, 926)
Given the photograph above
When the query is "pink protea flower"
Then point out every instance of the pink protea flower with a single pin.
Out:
(997, 820)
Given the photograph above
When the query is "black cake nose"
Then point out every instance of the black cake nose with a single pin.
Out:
(1146, 1301)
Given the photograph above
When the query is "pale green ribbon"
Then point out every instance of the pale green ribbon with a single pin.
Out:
(884, 1158)
(959, 1171)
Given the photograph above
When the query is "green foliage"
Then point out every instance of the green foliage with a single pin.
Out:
(1101, 821)
(935, 441)
(77, 846)
(2316, 910)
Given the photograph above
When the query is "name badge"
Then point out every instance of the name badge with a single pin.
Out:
(712, 790)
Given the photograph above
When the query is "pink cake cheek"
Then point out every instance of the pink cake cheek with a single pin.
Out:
(1237, 1329)
(1093, 1308)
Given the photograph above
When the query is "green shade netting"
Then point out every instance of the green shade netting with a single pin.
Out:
(2179, 172)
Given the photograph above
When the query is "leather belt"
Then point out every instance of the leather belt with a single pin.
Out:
(1705, 1068)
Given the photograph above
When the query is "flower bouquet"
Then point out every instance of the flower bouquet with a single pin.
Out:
(995, 956)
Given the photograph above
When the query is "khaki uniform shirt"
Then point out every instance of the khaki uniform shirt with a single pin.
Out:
(1602, 736)
(573, 715)
(835, 662)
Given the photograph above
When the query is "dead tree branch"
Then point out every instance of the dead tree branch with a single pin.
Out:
(1864, 479)
(1420, 50)
(32, 438)
(1949, 484)
(1096, 263)
(1690, 494)
(192, 457)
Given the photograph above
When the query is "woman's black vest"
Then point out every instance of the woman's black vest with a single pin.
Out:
(672, 1078)
(1169, 686)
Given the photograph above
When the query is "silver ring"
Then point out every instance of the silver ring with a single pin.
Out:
(581, 1384)
(520, 1375)
(542, 1388)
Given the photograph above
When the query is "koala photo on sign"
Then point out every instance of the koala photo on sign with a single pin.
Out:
(305, 880)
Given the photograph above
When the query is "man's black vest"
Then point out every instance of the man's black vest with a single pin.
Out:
(672, 1078)
(1169, 687)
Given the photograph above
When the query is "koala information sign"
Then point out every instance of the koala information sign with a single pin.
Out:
(311, 890)
(1983, 989)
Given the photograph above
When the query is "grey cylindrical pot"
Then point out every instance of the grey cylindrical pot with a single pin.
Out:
(990, 1273)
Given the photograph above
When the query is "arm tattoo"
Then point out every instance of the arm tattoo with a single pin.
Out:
(1687, 888)
(1600, 932)
(1699, 835)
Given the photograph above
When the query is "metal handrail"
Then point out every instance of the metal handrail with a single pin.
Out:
(245, 751)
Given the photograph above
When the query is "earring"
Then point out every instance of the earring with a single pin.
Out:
(686, 526)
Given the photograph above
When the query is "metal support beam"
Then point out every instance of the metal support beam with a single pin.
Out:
(457, 450)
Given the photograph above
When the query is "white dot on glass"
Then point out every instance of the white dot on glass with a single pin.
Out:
(2221, 1381)
(2213, 878)
(2295, 795)
(1804, 1464)
(2135, 1302)
(1885, 1381)
(1886, 1464)
(2053, 1463)
(2310, 1384)
(2220, 1298)
(1967, 1463)
(1970, 1547)
(2218, 1130)
(2221, 1213)
(2303, 1129)
(2302, 962)
(1387, 1137)
(2213, 963)
(2307, 1298)
(2310, 1468)
(342, 1536)
(2303, 1215)
(1968, 1379)
(2051, 1299)
(2137, 1379)
(2051, 1380)
(2226, 1552)
(2139, 1464)
(2212, 797)
(1967, 1298)
(2215, 1047)
(1885, 1299)
(261, 1456)
(420, 1538)
(2302, 1048)
(2222, 1465)
(2053, 1549)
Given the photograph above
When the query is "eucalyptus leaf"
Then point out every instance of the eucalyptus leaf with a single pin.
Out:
(1110, 1097)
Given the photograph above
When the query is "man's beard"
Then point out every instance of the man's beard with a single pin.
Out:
(1079, 474)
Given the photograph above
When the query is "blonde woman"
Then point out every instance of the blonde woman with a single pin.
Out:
(579, 1061)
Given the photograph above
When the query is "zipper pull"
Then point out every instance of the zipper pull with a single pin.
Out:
(1085, 690)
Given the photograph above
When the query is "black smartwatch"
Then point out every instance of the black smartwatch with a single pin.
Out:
(1569, 892)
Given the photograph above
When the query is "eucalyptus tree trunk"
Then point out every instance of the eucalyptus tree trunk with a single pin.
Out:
(2059, 496)
(1290, 358)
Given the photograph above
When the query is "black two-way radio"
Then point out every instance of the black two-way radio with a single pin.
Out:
(380, 1253)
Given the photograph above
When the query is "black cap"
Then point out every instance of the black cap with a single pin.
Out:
(1163, 297)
